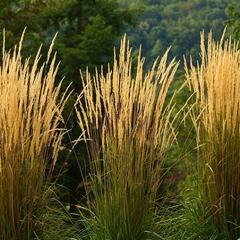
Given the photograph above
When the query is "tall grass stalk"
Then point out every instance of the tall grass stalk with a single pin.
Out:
(216, 83)
(30, 113)
(128, 130)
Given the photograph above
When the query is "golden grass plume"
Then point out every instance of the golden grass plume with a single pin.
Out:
(30, 138)
(216, 116)
(128, 129)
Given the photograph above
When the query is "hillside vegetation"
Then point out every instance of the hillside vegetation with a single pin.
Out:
(161, 23)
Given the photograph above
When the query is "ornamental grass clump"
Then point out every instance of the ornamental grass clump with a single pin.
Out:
(128, 128)
(30, 113)
(216, 83)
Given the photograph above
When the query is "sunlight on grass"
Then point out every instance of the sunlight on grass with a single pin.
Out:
(30, 113)
(216, 83)
(128, 130)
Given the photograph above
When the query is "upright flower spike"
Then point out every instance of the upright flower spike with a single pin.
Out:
(128, 130)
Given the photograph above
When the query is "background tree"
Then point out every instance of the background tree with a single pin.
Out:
(233, 21)
(88, 30)
(162, 23)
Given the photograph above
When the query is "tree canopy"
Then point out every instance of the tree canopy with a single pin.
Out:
(164, 23)
(233, 22)
(87, 29)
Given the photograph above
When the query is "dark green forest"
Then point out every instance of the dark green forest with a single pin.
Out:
(88, 30)
(175, 23)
